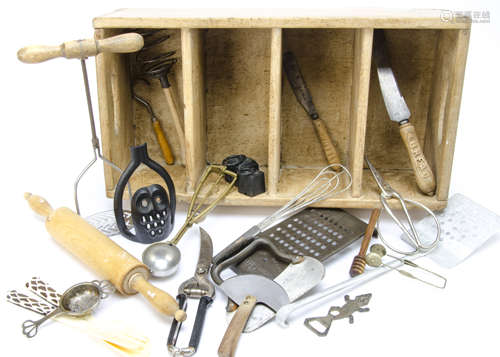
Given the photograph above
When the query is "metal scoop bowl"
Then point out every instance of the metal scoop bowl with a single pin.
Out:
(79, 300)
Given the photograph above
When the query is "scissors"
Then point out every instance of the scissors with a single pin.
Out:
(413, 238)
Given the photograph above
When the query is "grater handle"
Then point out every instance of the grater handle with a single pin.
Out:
(240, 243)
(246, 252)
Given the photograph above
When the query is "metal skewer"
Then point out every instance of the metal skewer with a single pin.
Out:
(95, 140)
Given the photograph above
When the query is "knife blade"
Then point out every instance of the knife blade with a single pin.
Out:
(296, 280)
(304, 97)
(399, 112)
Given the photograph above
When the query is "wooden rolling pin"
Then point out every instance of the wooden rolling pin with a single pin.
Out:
(107, 258)
(126, 43)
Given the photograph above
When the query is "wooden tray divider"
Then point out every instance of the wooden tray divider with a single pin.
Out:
(444, 109)
(363, 40)
(274, 150)
(194, 105)
(115, 110)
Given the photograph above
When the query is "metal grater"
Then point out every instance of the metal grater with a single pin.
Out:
(315, 232)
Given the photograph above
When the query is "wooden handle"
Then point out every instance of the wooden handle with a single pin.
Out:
(369, 231)
(162, 141)
(160, 300)
(332, 156)
(105, 257)
(126, 43)
(230, 340)
(177, 119)
(359, 262)
(423, 173)
(38, 204)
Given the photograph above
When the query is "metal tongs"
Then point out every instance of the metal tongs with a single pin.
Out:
(197, 287)
(412, 236)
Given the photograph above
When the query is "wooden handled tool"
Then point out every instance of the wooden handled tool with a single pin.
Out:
(126, 43)
(304, 97)
(179, 125)
(246, 290)
(423, 172)
(108, 259)
(359, 262)
(399, 112)
(162, 141)
(160, 135)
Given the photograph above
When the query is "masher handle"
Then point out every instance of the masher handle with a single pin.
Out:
(125, 43)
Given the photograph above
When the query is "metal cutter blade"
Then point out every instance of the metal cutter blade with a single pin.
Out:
(394, 102)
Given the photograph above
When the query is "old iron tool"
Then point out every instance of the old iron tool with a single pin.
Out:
(304, 97)
(398, 111)
(337, 313)
(153, 210)
(326, 183)
(315, 232)
(82, 49)
(411, 235)
(197, 287)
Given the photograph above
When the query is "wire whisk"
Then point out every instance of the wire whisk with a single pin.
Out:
(326, 183)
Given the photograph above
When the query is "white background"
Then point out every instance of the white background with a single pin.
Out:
(45, 139)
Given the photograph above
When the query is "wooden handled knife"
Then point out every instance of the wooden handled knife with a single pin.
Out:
(303, 95)
(398, 111)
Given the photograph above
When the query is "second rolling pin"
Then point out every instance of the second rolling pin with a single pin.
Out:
(100, 253)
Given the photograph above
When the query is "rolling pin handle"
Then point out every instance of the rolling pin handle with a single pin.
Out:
(38, 204)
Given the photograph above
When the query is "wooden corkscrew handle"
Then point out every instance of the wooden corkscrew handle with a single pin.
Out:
(423, 172)
(125, 43)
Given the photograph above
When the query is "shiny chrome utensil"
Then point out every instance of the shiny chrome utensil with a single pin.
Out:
(411, 235)
(78, 300)
(163, 258)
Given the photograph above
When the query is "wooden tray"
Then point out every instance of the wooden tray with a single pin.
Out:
(230, 84)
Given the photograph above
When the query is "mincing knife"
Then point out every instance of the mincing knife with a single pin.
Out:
(296, 280)
(303, 95)
(398, 111)
(246, 291)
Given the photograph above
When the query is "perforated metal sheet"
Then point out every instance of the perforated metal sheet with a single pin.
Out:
(315, 232)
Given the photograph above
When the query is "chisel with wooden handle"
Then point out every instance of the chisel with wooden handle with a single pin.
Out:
(105, 257)
(126, 43)
(303, 95)
(398, 111)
